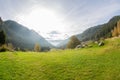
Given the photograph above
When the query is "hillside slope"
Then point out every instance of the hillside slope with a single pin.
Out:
(100, 31)
(96, 63)
(21, 37)
(96, 32)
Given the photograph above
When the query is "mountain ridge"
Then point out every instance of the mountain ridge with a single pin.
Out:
(95, 32)
(22, 37)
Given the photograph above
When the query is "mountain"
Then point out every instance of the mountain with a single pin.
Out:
(100, 31)
(21, 37)
(96, 32)
(63, 44)
(89, 33)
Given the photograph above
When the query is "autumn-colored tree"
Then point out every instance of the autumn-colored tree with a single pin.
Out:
(73, 42)
(113, 34)
(116, 30)
(37, 47)
(118, 27)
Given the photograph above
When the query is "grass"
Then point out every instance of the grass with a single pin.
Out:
(96, 63)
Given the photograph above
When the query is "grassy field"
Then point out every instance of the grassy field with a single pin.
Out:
(96, 63)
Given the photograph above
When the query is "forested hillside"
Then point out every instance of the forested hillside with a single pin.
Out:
(100, 31)
(96, 32)
(21, 37)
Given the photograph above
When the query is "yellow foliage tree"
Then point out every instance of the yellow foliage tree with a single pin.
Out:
(118, 27)
(37, 48)
(116, 30)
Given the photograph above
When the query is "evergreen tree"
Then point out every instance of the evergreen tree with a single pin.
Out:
(2, 38)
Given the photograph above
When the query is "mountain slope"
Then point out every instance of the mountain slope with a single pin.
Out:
(100, 31)
(63, 43)
(21, 37)
(96, 32)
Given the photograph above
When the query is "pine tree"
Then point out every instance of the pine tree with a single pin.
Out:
(2, 38)
(1, 22)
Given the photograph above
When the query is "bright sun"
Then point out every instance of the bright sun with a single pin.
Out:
(40, 19)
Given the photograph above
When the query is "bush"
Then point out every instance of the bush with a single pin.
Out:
(3, 48)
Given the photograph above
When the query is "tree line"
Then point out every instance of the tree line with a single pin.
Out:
(4, 46)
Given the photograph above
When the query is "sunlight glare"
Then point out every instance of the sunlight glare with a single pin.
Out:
(40, 19)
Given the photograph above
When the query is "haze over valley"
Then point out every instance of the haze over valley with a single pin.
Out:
(58, 20)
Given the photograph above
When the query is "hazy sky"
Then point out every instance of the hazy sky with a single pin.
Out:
(56, 20)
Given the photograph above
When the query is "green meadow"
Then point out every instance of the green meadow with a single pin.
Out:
(94, 63)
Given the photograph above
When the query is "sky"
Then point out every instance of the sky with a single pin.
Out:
(57, 20)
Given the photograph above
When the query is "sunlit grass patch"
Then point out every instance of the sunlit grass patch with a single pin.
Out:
(95, 63)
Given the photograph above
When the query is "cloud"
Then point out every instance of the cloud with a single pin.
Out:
(55, 42)
(73, 16)
(54, 32)
(9, 8)
(56, 37)
(79, 15)
(91, 14)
